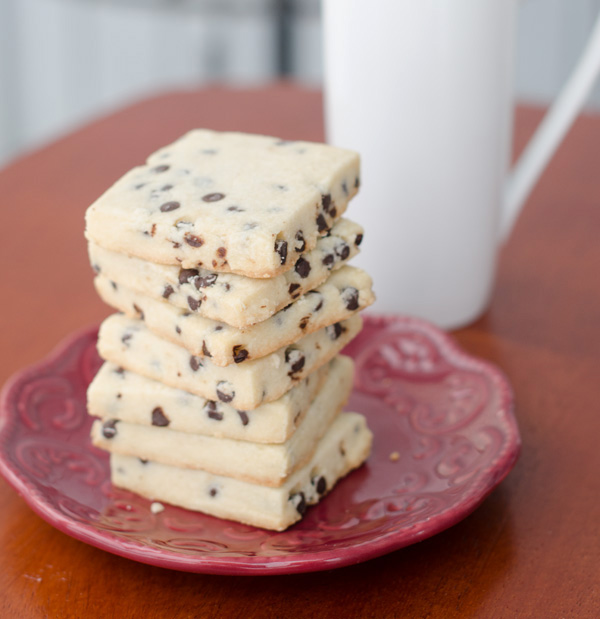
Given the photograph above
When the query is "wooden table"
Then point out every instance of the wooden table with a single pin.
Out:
(531, 550)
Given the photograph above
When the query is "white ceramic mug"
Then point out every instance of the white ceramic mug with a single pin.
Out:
(423, 90)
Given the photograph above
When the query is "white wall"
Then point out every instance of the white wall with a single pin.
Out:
(552, 34)
(62, 62)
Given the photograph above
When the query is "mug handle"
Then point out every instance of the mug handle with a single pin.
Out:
(551, 131)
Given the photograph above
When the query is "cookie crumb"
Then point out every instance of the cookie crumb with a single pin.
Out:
(394, 456)
(156, 508)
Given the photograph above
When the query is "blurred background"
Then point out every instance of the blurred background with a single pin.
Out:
(64, 62)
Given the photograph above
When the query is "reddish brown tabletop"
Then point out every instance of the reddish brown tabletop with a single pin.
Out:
(531, 550)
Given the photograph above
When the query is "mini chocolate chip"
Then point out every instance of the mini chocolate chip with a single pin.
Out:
(194, 303)
(326, 202)
(328, 260)
(358, 239)
(178, 329)
(140, 185)
(195, 363)
(301, 505)
(303, 322)
(168, 291)
(213, 412)
(321, 223)
(120, 371)
(166, 187)
(302, 267)
(113, 284)
(213, 492)
(236, 209)
(119, 396)
(239, 354)
(138, 311)
(186, 274)
(226, 286)
(343, 251)
(225, 392)
(297, 367)
(320, 484)
(345, 188)
(350, 298)
(143, 461)
(333, 211)
(218, 328)
(301, 245)
(320, 296)
(296, 359)
(335, 330)
(213, 197)
(281, 248)
(96, 268)
(109, 428)
(221, 252)
(206, 281)
(216, 415)
(160, 168)
(125, 339)
(193, 240)
(205, 350)
(169, 206)
(175, 244)
(159, 418)
(292, 288)
(357, 183)
(244, 417)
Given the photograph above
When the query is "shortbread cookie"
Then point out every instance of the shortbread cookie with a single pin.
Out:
(229, 202)
(118, 394)
(129, 344)
(233, 299)
(258, 463)
(344, 447)
(345, 292)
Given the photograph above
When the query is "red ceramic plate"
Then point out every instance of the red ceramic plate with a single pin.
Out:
(445, 436)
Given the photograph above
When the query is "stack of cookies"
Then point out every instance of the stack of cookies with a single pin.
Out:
(226, 258)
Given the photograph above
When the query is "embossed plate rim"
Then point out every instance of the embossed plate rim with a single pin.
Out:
(309, 561)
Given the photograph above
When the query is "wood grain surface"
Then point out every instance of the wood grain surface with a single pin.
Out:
(531, 550)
